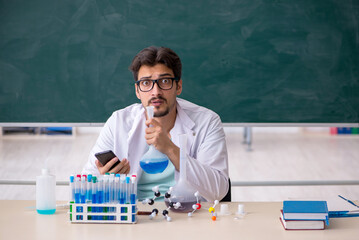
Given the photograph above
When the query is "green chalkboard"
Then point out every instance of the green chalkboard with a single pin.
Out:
(251, 61)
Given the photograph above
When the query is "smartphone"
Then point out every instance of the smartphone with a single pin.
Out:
(105, 156)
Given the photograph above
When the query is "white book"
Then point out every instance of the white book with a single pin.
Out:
(302, 224)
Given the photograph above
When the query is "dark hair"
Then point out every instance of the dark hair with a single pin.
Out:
(157, 55)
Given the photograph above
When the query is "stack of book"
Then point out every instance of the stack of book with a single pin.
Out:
(304, 215)
(344, 130)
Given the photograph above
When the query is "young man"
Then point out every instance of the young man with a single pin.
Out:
(128, 132)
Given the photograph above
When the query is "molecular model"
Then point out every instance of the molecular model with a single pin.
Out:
(176, 205)
(212, 210)
(167, 196)
(195, 206)
(198, 206)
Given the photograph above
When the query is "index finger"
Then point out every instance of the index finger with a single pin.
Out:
(152, 122)
(114, 161)
(121, 168)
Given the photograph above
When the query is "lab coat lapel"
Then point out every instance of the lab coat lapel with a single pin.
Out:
(185, 126)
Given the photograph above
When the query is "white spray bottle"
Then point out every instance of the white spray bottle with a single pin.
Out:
(153, 161)
(183, 192)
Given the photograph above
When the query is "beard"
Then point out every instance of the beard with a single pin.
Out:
(163, 112)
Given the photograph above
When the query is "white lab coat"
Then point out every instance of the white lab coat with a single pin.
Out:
(207, 167)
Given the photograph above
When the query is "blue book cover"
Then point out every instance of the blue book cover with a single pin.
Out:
(305, 210)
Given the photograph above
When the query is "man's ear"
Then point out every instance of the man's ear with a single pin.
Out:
(179, 87)
(137, 92)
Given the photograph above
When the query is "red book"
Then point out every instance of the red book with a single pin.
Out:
(333, 130)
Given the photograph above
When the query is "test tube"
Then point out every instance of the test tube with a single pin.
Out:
(94, 189)
(94, 195)
(122, 189)
(114, 187)
(133, 189)
(106, 191)
(112, 194)
(77, 189)
(111, 188)
(117, 188)
(128, 190)
(106, 188)
(89, 188)
(100, 196)
(72, 188)
(83, 189)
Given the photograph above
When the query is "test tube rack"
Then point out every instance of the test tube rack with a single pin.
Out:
(102, 213)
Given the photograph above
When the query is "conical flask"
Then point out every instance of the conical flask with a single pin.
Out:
(153, 161)
(183, 192)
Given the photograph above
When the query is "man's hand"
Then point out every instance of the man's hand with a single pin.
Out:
(160, 139)
(156, 136)
(122, 168)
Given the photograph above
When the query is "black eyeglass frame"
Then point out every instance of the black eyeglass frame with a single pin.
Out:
(174, 79)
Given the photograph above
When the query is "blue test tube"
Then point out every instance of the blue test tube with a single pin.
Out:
(122, 189)
(72, 188)
(83, 189)
(89, 188)
(117, 188)
(112, 194)
(106, 188)
(133, 195)
(77, 189)
(128, 189)
(100, 196)
(94, 195)
(112, 188)
(100, 193)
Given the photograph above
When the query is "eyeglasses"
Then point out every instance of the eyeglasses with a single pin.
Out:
(163, 83)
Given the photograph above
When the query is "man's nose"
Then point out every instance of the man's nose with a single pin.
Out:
(156, 90)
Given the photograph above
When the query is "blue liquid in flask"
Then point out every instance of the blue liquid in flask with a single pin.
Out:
(154, 161)
(154, 166)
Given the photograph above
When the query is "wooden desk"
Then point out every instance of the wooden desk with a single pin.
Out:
(19, 221)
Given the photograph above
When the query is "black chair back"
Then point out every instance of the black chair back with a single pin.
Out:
(228, 197)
